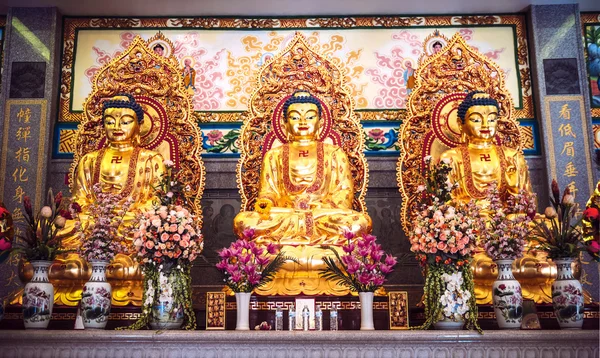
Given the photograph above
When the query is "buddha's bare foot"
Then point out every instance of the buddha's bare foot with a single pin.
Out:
(295, 240)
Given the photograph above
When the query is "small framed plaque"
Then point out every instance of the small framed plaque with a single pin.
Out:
(215, 310)
(398, 304)
(310, 304)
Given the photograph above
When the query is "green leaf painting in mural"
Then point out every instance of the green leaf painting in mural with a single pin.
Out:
(216, 142)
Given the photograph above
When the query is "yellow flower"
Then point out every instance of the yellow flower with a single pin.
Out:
(263, 207)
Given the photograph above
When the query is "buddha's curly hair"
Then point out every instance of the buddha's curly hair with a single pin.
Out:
(469, 102)
(302, 99)
(131, 104)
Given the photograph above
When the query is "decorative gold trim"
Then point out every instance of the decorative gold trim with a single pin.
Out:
(325, 305)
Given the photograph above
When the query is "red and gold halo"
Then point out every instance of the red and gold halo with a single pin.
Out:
(444, 119)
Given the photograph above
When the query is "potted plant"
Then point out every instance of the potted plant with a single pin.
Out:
(504, 239)
(362, 268)
(100, 242)
(443, 238)
(559, 235)
(167, 241)
(39, 245)
(246, 266)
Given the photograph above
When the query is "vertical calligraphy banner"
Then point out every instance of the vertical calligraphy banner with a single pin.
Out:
(569, 148)
(569, 152)
(22, 162)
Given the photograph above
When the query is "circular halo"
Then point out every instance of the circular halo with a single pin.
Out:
(192, 61)
(444, 119)
(166, 47)
(278, 125)
(429, 44)
(154, 126)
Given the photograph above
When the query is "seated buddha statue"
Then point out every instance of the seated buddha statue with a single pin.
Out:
(306, 188)
(122, 167)
(478, 163)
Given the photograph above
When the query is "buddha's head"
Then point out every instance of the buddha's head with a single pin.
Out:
(122, 117)
(302, 116)
(478, 114)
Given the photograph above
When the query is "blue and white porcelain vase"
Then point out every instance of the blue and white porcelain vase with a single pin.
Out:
(454, 302)
(567, 296)
(507, 297)
(166, 313)
(96, 298)
(38, 297)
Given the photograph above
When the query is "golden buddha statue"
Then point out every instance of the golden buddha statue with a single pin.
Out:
(477, 132)
(306, 187)
(121, 167)
(479, 161)
(302, 172)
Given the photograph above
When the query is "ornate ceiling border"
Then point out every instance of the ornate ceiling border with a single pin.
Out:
(72, 24)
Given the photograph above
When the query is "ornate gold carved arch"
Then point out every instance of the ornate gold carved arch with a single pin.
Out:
(168, 126)
(299, 66)
(442, 81)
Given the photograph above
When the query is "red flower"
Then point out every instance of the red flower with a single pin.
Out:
(502, 287)
(591, 214)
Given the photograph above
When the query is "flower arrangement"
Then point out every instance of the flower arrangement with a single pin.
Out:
(100, 239)
(591, 225)
(41, 240)
(559, 234)
(7, 233)
(362, 268)
(508, 225)
(166, 242)
(247, 265)
(443, 238)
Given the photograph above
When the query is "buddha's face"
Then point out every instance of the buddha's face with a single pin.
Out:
(120, 125)
(480, 122)
(302, 121)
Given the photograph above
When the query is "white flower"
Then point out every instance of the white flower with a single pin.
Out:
(170, 194)
(550, 212)
(46, 212)
(421, 188)
(168, 163)
(568, 199)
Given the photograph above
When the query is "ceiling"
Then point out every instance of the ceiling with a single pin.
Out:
(284, 7)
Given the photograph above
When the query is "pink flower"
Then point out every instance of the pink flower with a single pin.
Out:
(254, 278)
(236, 276)
(348, 248)
(594, 247)
(262, 260)
(221, 265)
(377, 134)
(271, 248)
(442, 246)
(214, 136)
(184, 243)
(257, 250)
(164, 237)
(248, 234)
(225, 253)
(385, 269)
(149, 245)
(349, 235)
(5, 244)
(390, 261)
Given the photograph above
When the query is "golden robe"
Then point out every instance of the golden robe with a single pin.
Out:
(309, 206)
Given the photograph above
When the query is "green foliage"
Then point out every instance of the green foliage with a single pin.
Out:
(337, 273)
